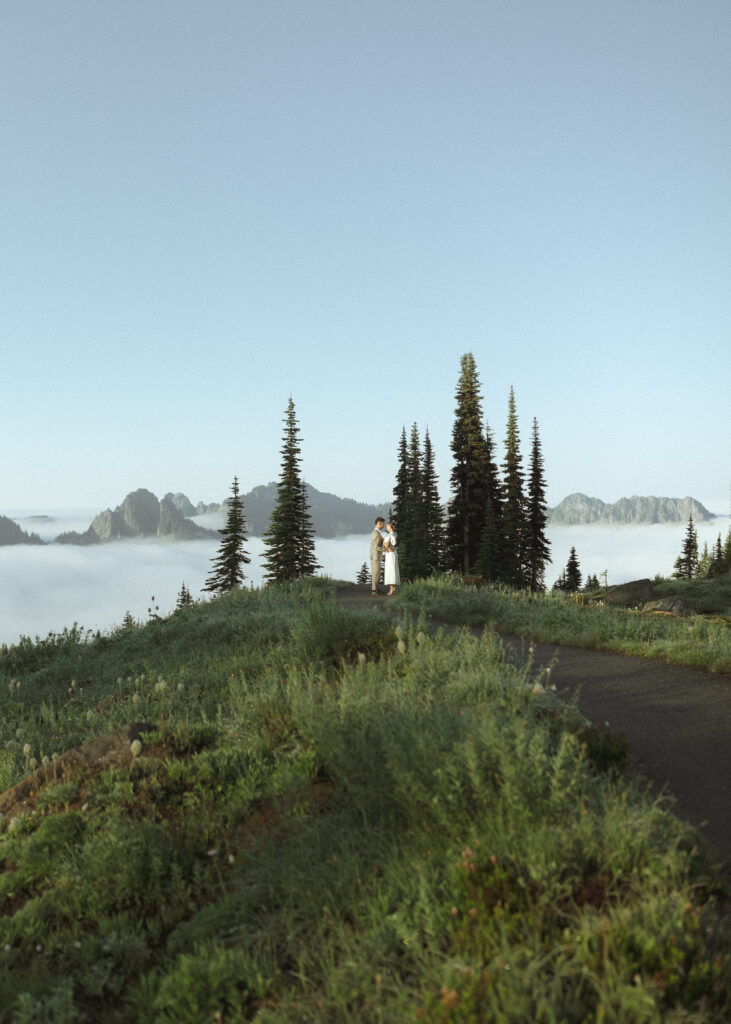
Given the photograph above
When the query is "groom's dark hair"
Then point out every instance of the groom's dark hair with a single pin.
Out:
(379, 519)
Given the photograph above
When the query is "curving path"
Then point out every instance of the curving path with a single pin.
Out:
(677, 721)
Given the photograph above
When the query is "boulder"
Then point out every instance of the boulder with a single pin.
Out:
(672, 605)
(630, 594)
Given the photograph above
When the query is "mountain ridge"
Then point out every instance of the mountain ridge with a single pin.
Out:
(579, 509)
(142, 515)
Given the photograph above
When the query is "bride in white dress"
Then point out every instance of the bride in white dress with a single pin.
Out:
(391, 575)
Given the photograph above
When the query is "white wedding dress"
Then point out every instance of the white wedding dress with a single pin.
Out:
(391, 575)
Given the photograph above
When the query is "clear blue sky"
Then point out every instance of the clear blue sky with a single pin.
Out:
(207, 207)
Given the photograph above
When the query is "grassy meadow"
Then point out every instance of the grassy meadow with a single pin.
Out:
(339, 816)
(581, 620)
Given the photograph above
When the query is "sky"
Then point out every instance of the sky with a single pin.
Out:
(208, 207)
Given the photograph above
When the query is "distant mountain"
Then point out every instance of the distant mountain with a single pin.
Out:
(580, 509)
(331, 516)
(11, 533)
(139, 515)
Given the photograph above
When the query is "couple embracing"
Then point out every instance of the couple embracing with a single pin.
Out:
(383, 542)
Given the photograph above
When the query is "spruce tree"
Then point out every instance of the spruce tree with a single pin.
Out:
(469, 476)
(185, 598)
(537, 544)
(413, 536)
(489, 556)
(433, 514)
(686, 564)
(513, 512)
(227, 572)
(363, 574)
(572, 573)
(290, 540)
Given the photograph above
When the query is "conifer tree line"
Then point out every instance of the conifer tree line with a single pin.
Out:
(713, 562)
(495, 521)
(416, 511)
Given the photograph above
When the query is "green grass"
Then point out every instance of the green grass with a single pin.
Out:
(705, 596)
(695, 641)
(336, 820)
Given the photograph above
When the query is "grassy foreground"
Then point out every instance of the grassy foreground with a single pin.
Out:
(334, 822)
(565, 619)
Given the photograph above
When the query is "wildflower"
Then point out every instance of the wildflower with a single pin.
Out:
(420, 638)
(454, 911)
(136, 748)
(44, 760)
(18, 732)
(90, 716)
(32, 764)
(231, 858)
(398, 631)
(361, 658)
(180, 687)
(26, 749)
(135, 698)
(73, 684)
(13, 824)
(161, 687)
(401, 647)
(537, 689)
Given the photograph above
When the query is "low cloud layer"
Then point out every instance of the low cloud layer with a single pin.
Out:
(44, 589)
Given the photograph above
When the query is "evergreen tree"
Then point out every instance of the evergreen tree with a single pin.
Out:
(705, 562)
(185, 598)
(686, 564)
(469, 477)
(363, 575)
(433, 514)
(513, 511)
(537, 545)
(400, 510)
(489, 555)
(413, 534)
(572, 573)
(290, 540)
(227, 572)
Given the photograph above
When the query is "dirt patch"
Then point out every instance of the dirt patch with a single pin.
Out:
(97, 754)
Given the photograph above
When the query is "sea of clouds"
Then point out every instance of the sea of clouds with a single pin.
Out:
(46, 588)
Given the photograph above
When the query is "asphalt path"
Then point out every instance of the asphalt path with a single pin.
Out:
(677, 721)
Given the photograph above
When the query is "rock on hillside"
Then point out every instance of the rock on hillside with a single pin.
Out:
(580, 509)
(11, 533)
(139, 515)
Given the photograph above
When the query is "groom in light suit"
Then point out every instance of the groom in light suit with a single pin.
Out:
(376, 553)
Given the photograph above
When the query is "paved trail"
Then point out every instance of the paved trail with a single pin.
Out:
(677, 721)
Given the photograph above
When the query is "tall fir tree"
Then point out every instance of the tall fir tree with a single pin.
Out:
(227, 572)
(537, 544)
(290, 540)
(433, 513)
(469, 476)
(413, 538)
(489, 558)
(513, 512)
(686, 564)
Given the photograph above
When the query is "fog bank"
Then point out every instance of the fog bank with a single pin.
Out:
(44, 589)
